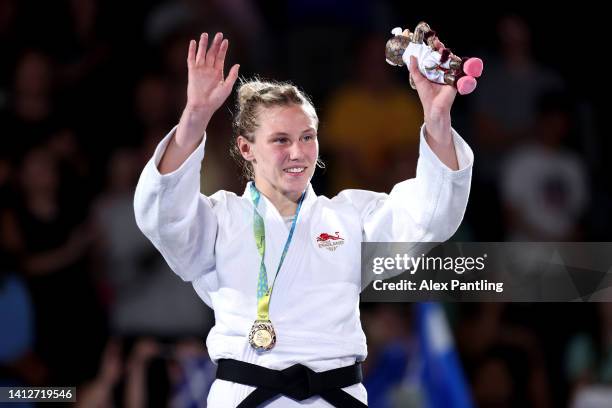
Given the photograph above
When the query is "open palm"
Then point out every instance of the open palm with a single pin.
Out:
(207, 88)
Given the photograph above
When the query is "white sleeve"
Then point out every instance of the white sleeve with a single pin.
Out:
(175, 216)
(427, 208)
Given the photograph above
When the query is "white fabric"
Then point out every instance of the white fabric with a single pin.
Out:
(397, 31)
(288, 221)
(428, 60)
(315, 303)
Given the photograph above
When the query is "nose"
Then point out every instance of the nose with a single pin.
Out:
(296, 151)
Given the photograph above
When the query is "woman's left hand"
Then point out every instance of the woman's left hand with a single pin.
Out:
(437, 101)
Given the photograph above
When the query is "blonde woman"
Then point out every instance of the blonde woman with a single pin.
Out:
(280, 265)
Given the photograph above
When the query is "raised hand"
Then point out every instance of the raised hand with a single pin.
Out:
(207, 89)
(437, 101)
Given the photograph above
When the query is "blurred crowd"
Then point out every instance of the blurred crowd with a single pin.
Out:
(87, 90)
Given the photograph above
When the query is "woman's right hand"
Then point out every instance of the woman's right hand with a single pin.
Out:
(207, 89)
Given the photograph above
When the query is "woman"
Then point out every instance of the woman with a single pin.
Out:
(280, 235)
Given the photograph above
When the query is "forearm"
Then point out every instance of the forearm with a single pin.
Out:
(440, 139)
(188, 136)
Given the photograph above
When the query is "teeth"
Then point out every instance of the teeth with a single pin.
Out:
(295, 170)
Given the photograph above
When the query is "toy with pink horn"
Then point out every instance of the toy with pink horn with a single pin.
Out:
(436, 62)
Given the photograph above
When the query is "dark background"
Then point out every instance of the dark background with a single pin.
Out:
(88, 88)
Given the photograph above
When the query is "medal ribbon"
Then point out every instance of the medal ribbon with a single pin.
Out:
(259, 231)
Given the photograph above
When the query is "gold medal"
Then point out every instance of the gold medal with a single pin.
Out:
(262, 336)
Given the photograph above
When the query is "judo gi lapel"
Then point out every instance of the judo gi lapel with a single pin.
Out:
(276, 235)
(284, 287)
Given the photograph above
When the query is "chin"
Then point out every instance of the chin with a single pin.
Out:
(296, 186)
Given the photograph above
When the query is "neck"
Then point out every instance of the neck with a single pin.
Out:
(285, 203)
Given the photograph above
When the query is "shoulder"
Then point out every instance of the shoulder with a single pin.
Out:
(223, 198)
(357, 199)
(228, 202)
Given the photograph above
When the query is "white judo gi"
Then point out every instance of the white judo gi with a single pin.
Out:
(315, 304)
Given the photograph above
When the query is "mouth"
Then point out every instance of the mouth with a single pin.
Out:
(295, 171)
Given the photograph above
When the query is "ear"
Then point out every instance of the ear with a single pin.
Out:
(246, 148)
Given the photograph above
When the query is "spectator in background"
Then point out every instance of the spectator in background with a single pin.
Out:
(6, 170)
(83, 53)
(9, 47)
(153, 110)
(504, 361)
(503, 112)
(507, 96)
(318, 36)
(30, 109)
(149, 373)
(239, 18)
(390, 371)
(50, 246)
(371, 124)
(19, 365)
(544, 184)
(494, 385)
(86, 50)
(588, 363)
(100, 391)
(75, 171)
(147, 299)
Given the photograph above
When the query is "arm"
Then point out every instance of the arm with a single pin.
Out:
(206, 92)
(169, 208)
(429, 207)
(437, 101)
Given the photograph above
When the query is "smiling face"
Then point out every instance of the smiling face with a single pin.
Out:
(284, 150)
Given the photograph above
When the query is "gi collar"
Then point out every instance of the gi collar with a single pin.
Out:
(266, 205)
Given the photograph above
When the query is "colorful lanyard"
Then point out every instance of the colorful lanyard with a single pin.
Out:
(263, 292)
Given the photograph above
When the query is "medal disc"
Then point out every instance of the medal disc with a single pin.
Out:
(262, 336)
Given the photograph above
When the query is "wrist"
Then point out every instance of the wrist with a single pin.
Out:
(438, 128)
(441, 135)
(192, 126)
(201, 110)
(197, 116)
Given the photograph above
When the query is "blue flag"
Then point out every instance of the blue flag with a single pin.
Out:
(442, 378)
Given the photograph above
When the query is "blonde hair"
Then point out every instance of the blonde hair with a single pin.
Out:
(254, 94)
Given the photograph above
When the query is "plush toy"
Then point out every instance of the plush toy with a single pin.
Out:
(436, 62)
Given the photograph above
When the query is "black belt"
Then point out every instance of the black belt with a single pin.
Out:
(298, 382)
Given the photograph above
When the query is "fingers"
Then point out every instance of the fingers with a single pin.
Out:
(211, 55)
(231, 77)
(202, 48)
(214, 57)
(220, 60)
(417, 77)
(191, 54)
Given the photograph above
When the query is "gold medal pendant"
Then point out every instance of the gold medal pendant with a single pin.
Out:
(262, 336)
